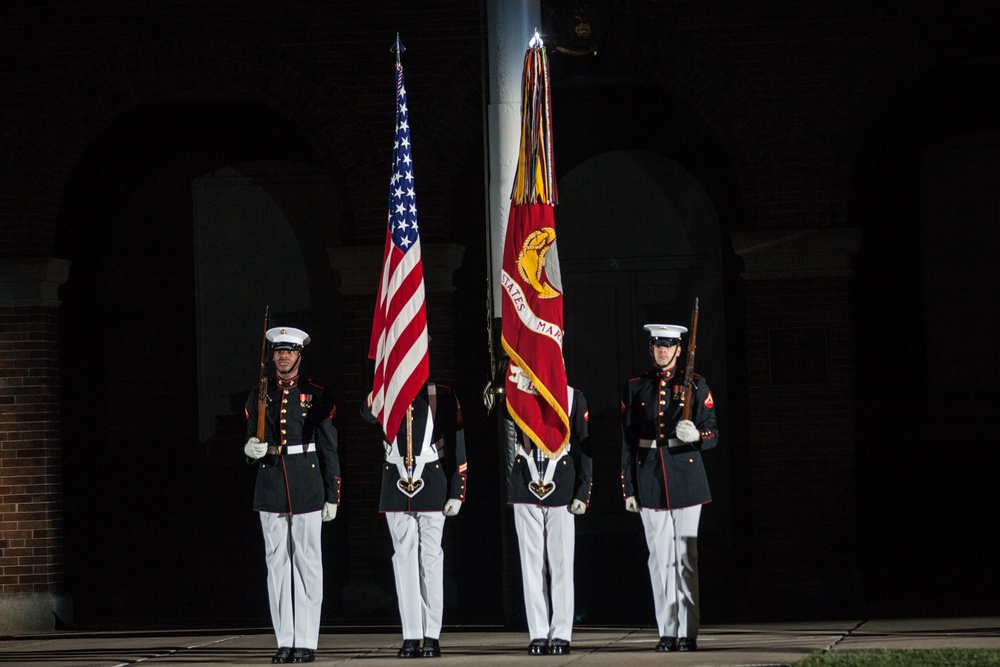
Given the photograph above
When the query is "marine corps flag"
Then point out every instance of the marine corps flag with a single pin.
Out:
(537, 397)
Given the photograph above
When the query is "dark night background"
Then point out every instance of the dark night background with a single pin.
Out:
(823, 176)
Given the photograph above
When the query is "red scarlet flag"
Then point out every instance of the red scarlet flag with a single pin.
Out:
(537, 397)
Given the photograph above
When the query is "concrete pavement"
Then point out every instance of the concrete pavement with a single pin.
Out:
(757, 645)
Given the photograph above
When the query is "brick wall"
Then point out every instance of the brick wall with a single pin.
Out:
(31, 540)
(801, 396)
(328, 66)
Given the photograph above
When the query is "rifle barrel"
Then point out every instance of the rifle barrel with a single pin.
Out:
(262, 386)
(689, 368)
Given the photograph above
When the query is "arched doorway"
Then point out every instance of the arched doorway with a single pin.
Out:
(154, 512)
(639, 240)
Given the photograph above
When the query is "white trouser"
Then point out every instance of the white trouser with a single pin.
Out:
(546, 537)
(294, 555)
(672, 538)
(418, 563)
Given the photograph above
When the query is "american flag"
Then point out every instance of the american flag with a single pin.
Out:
(399, 331)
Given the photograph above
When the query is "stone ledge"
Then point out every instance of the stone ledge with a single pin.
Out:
(34, 612)
(808, 253)
(360, 267)
(32, 281)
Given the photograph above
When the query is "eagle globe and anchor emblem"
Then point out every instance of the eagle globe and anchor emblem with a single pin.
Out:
(535, 269)
(532, 262)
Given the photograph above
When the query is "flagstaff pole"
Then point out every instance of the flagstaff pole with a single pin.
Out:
(409, 444)
(509, 24)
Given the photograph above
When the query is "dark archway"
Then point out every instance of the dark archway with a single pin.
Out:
(639, 240)
(137, 481)
(612, 131)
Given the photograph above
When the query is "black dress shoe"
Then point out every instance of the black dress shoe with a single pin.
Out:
(538, 647)
(666, 644)
(303, 655)
(685, 644)
(283, 656)
(431, 649)
(559, 647)
(410, 649)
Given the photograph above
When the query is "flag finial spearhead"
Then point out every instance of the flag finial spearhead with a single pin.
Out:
(398, 48)
(536, 41)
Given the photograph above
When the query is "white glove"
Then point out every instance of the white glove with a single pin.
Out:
(255, 448)
(631, 504)
(329, 511)
(687, 431)
(577, 507)
(452, 507)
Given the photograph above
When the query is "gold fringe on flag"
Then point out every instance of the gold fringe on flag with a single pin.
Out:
(535, 180)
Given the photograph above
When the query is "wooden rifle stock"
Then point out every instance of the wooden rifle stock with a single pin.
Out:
(689, 368)
(262, 387)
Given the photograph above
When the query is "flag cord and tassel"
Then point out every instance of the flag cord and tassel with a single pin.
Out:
(534, 180)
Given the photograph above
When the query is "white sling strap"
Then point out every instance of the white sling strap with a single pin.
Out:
(542, 485)
(429, 451)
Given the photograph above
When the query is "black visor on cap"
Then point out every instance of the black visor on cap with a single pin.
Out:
(285, 345)
(665, 342)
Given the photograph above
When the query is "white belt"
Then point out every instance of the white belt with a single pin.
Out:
(651, 444)
(541, 484)
(436, 450)
(292, 449)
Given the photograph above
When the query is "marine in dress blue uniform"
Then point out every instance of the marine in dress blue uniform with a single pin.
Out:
(297, 488)
(416, 497)
(663, 479)
(546, 494)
